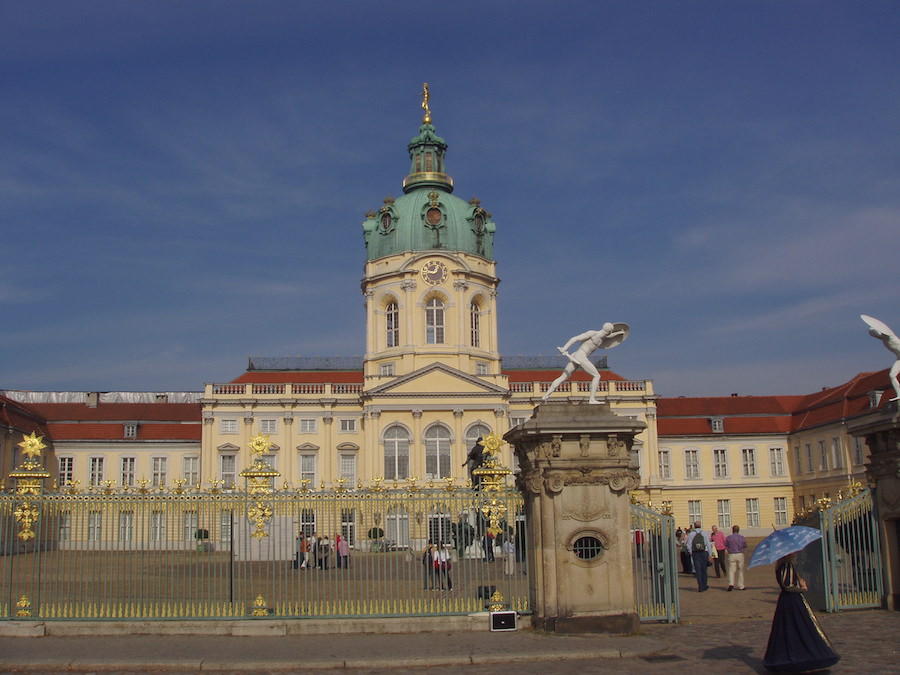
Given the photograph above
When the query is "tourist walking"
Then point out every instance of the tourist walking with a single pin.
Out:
(717, 537)
(699, 545)
(735, 544)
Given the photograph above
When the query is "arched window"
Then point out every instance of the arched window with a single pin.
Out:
(475, 324)
(475, 432)
(437, 452)
(434, 322)
(396, 453)
(392, 324)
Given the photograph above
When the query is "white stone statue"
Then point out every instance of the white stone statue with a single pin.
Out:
(880, 330)
(609, 336)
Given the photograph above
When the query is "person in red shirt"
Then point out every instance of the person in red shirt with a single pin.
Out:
(718, 540)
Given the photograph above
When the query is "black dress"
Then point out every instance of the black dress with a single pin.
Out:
(796, 643)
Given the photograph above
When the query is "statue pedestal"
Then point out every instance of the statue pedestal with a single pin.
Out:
(575, 476)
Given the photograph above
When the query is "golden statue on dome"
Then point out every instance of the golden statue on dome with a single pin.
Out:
(426, 96)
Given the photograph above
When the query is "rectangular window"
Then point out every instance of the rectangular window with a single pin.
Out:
(748, 462)
(823, 456)
(307, 521)
(127, 466)
(776, 461)
(516, 421)
(228, 470)
(692, 463)
(717, 424)
(66, 471)
(781, 511)
(838, 452)
(158, 474)
(308, 426)
(858, 451)
(481, 368)
(348, 526)
(268, 426)
(810, 467)
(131, 430)
(308, 469)
(387, 369)
(126, 525)
(97, 474)
(753, 512)
(348, 467)
(94, 526)
(798, 462)
(723, 511)
(720, 462)
(65, 526)
(228, 426)
(157, 526)
(665, 464)
(190, 470)
(348, 426)
(695, 510)
(191, 524)
(225, 518)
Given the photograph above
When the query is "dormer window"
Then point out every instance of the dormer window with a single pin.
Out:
(131, 429)
(875, 398)
(717, 424)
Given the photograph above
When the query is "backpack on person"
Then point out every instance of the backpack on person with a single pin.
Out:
(698, 545)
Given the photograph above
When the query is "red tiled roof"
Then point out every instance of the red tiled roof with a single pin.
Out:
(16, 416)
(719, 406)
(300, 376)
(118, 412)
(115, 431)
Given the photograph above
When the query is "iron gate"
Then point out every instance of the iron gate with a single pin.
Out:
(654, 563)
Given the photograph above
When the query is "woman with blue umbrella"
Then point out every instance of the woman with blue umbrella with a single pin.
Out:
(797, 642)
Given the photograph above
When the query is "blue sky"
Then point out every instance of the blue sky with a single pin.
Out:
(182, 184)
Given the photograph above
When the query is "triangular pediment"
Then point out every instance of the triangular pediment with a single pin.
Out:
(438, 378)
(228, 447)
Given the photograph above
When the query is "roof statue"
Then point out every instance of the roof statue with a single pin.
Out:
(880, 330)
(609, 336)
(426, 96)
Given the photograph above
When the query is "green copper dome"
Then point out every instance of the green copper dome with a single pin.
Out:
(427, 216)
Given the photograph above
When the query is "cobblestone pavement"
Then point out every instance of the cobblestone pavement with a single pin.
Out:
(720, 632)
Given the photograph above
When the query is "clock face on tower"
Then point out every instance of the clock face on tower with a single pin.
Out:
(434, 272)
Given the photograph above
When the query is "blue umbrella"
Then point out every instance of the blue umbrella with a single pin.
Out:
(782, 542)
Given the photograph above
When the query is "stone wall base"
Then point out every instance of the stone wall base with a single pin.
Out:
(618, 624)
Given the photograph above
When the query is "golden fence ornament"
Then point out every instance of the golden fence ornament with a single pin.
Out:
(492, 475)
(29, 477)
(260, 478)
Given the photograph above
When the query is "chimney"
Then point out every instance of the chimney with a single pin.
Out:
(92, 398)
(162, 398)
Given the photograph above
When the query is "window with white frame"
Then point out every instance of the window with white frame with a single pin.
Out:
(516, 421)
(723, 511)
(308, 467)
(798, 461)
(348, 426)
(387, 369)
(126, 525)
(348, 526)
(190, 470)
(692, 463)
(781, 514)
(226, 518)
(858, 452)
(159, 471)
(473, 433)
(475, 325)
(348, 466)
(190, 524)
(97, 473)
(308, 425)
(307, 521)
(396, 453)
(753, 512)
(481, 368)
(228, 426)
(695, 510)
(717, 424)
(131, 429)
(720, 462)
(66, 470)
(228, 470)
(434, 322)
(157, 526)
(270, 460)
(837, 451)
(128, 467)
(94, 526)
(776, 461)
(268, 426)
(810, 467)
(437, 452)
(665, 464)
(748, 462)
(392, 325)
(823, 456)
(65, 526)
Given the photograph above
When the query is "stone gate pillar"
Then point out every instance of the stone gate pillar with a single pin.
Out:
(575, 476)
